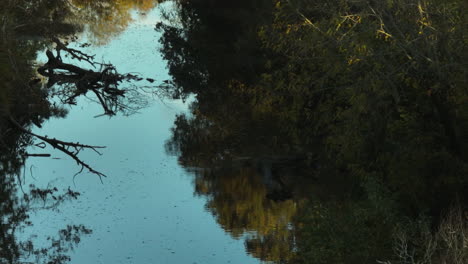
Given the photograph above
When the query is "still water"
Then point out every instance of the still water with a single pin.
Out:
(145, 211)
(278, 154)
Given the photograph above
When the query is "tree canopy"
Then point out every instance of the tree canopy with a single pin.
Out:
(369, 96)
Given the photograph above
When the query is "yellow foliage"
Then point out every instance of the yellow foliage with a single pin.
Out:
(107, 18)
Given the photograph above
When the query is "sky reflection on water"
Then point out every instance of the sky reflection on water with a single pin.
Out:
(145, 212)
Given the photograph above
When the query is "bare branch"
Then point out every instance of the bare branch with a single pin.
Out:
(69, 148)
(75, 54)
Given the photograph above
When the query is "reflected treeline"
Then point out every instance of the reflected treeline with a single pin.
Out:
(15, 208)
(240, 199)
(22, 96)
(367, 101)
(30, 27)
(23, 99)
(100, 20)
(106, 19)
(26, 101)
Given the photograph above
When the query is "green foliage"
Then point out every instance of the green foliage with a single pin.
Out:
(371, 94)
(342, 233)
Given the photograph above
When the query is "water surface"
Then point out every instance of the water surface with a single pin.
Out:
(307, 133)
(145, 211)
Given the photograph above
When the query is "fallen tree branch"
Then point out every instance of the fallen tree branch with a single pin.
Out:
(69, 148)
(74, 53)
(77, 81)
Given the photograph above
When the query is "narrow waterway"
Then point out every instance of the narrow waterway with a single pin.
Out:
(308, 133)
(145, 211)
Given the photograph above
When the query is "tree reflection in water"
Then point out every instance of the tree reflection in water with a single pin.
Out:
(25, 102)
(14, 218)
(237, 197)
(105, 19)
(365, 97)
